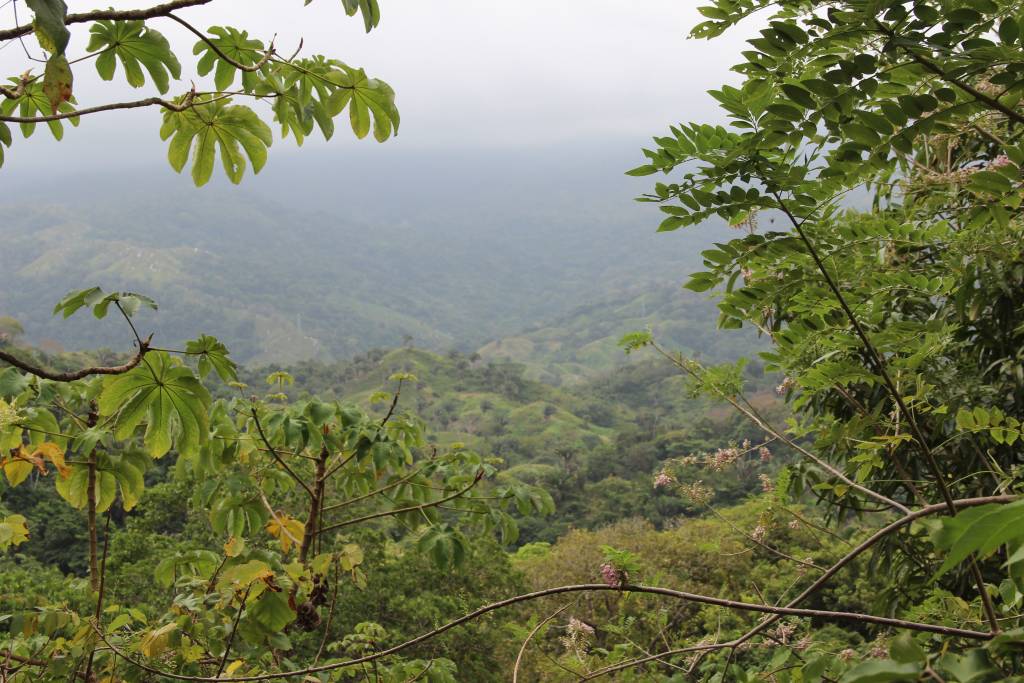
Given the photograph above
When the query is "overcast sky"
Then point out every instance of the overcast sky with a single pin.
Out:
(468, 73)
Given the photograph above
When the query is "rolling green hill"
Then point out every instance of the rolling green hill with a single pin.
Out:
(584, 343)
(342, 264)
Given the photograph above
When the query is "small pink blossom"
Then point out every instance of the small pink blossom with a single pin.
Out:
(794, 524)
(722, 458)
(787, 384)
(767, 485)
(759, 532)
(611, 575)
(765, 454)
(803, 644)
(999, 161)
(663, 479)
(577, 626)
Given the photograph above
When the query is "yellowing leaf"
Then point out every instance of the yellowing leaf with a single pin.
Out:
(234, 666)
(286, 529)
(17, 470)
(350, 557)
(234, 547)
(54, 454)
(12, 531)
(243, 575)
(156, 642)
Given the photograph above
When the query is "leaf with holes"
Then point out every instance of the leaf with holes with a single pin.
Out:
(57, 81)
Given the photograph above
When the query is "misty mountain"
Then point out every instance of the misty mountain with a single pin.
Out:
(368, 250)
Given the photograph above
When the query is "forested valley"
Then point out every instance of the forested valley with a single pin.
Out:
(444, 420)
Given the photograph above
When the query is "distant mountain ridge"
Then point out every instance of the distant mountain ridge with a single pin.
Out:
(584, 343)
(339, 263)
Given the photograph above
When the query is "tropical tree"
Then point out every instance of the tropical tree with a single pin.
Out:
(872, 162)
(240, 86)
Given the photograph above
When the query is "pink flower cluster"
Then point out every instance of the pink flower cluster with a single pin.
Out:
(999, 161)
(723, 457)
(663, 479)
(579, 627)
(787, 384)
(612, 576)
(697, 493)
(767, 485)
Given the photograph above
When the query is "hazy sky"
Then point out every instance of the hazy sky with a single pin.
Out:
(468, 73)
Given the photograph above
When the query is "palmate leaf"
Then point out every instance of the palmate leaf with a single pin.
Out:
(235, 44)
(33, 103)
(94, 297)
(214, 126)
(370, 96)
(167, 396)
(213, 355)
(136, 46)
(980, 530)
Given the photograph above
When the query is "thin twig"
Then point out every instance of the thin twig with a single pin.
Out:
(538, 627)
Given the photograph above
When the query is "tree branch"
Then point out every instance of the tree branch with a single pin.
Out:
(412, 508)
(76, 374)
(213, 46)
(818, 583)
(117, 15)
(538, 627)
(187, 103)
(280, 461)
(581, 588)
(881, 369)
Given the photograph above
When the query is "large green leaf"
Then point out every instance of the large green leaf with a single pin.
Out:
(75, 488)
(272, 611)
(35, 102)
(882, 671)
(213, 355)
(978, 530)
(138, 47)
(52, 33)
(238, 46)
(216, 126)
(167, 396)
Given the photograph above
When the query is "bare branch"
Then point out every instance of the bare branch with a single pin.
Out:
(76, 374)
(117, 15)
(280, 461)
(187, 103)
(412, 508)
(822, 580)
(220, 53)
(581, 588)
(778, 434)
(538, 627)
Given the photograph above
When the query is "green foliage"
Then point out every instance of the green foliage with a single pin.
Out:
(302, 92)
(137, 47)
